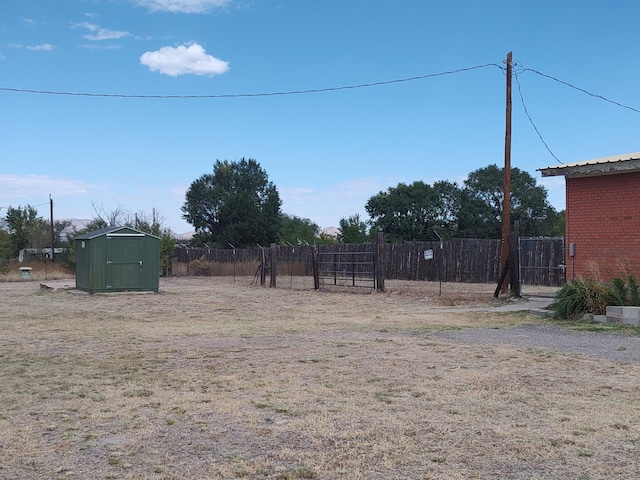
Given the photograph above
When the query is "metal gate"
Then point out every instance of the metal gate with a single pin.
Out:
(542, 265)
(347, 269)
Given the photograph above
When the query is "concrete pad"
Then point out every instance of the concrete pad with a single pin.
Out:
(56, 285)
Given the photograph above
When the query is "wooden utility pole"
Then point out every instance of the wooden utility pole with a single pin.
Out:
(506, 200)
(53, 236)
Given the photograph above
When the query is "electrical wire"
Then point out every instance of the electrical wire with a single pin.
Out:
(517, 69)
(524, 106)
(595, 95)
(249, 95)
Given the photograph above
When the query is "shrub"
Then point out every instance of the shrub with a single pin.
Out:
(586, 295)
(201, 266)
(624, 293)
(580, 296)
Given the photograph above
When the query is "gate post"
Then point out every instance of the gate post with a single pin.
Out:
(316, 273)
(274, 264)
(514, 260)
(379, 262)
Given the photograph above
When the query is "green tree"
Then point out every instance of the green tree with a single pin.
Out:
(353, 230)
(25, 227)
(413, 212)
(481, 205)
(447, 208)
(236, 204)
(559, 229)
(5, 250)
(298, 231)
(153, 224)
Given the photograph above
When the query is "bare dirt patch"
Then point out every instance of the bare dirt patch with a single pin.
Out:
(213, 378)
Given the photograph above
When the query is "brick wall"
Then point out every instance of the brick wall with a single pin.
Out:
(603, 221)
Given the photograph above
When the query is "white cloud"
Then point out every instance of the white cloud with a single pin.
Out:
(182, 6)
(98, 33)
(100, 46)
(182, 60)
(30, 22)
(16, 188)
(43, 47)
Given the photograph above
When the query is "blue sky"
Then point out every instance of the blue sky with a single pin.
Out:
(327, 152)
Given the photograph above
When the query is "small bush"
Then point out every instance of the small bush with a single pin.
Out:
(583, 295)
(586, 295)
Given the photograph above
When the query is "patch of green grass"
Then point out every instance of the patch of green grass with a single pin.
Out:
(384, 397)
(141, 392)
(591, 326)
(303, 472)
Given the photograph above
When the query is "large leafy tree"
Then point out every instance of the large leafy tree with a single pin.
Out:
(298, 231)
(481, 204)
(5, 250)
(24, 228)
(236, 204)
(353, 230)
(416, 211)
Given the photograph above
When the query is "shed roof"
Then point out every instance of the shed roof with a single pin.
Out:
(598, 166)
(106, 230)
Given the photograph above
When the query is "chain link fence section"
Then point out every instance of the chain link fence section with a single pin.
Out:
(542, 265)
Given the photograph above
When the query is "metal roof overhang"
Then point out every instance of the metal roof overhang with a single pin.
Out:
(596, 167)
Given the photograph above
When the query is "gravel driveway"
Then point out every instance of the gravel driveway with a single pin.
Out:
(609, 346)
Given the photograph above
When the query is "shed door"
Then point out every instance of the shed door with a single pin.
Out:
(124, 261)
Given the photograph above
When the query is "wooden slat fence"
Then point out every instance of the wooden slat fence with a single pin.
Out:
(459, 260)
(542, 261)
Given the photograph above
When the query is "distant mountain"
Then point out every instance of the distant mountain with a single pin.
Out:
(183, 236)
(77, 223)
(330, 231)
(81, 223)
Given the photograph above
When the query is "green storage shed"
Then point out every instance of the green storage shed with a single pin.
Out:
(117, 259)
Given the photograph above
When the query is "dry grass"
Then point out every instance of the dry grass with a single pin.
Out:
(40, 271)
(216, 379)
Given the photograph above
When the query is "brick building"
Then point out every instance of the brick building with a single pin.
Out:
(602, 215)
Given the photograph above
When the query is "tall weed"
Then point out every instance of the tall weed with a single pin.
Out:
(587, 295)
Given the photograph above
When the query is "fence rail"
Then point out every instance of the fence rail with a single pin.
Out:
(458, 260)
(355, 269)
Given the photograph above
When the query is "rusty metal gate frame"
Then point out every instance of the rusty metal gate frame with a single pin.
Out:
(347, 269)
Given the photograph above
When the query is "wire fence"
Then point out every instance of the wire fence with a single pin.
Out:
(458, 260)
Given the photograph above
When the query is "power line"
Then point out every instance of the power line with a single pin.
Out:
(531, 120)
(250, 95)
(591, 94)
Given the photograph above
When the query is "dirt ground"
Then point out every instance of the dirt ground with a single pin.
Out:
(218, 378)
